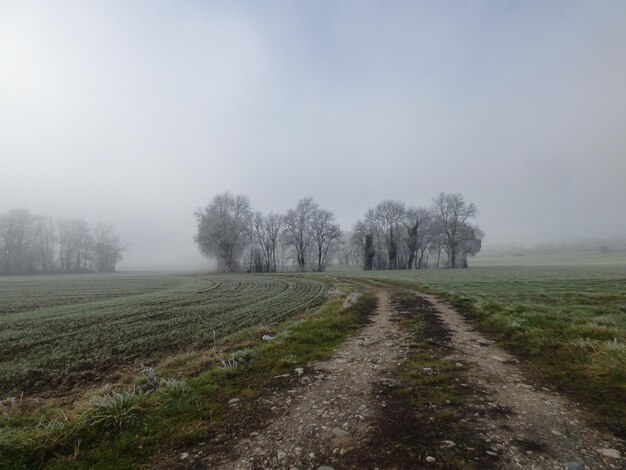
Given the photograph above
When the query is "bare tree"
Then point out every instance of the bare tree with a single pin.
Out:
(418, 226)
(15, 231)
(106, 248)
(74, 244)
(223, 227)
(392, 236)
(326, 234)
(389, 214)
(297, 232)
(28, 245)
(452, 214)
(267, 230)
(273, 226)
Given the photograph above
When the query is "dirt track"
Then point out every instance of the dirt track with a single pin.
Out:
(331, 411)
(540, 429)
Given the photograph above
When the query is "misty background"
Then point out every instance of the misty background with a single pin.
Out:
(137, 113)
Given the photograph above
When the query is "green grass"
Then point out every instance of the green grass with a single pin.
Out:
(129, 428)
(569, 321)
(69, 330)
(589, 258)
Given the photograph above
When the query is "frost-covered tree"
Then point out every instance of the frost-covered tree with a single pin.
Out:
(326, 235)
(460, 238)
(224, 228)
(298, 231)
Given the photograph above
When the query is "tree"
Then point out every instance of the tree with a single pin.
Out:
(417, 223)
(452, 214)
(388, 215)
(223, 227)
(75, 242)
(326, 234)
(297, 233)
(106, 248)
(267, 230)
(28, 245)
(15, 231)
(392, 236)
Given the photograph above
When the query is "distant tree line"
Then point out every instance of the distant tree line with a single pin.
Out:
(395, 236)
(36, 244)
(391, 235)
(242, 239)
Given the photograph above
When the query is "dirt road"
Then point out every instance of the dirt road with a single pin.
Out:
(331, 412)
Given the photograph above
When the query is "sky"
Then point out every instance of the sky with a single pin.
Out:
(138, 113)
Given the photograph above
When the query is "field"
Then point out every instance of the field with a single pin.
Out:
(63, 331)
(61, 335)
(569, 320)
(589, 258)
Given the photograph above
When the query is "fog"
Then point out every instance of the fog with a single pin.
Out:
(137, 113)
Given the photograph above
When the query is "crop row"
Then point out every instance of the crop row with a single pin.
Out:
(64, 344)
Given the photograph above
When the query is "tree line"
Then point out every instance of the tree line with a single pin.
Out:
(243, 239)
(395, 236)
(391, 235)
(37, 244)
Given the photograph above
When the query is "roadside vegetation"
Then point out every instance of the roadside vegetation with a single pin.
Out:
(176, 404)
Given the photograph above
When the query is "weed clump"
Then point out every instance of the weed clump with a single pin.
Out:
(116, 412)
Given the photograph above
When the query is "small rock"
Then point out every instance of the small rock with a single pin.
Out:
(430, 459)
(299, 370)
(267, 338)
(493, 454)
(498, 358)
(448, 444)
(612, 453)
(458, 364)
(342, 451)
(184, 456)
(232, 401)
(340, 432)
(573, 466)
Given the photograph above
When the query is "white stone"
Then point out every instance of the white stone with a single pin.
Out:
(612, 453)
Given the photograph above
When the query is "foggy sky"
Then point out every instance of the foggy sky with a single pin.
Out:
(137, 113)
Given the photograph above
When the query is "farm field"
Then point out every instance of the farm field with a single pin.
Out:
(63, 331)
(560, 259)
(569, 320)
(568, 323)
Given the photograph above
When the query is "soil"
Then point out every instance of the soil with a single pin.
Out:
(346, 412)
